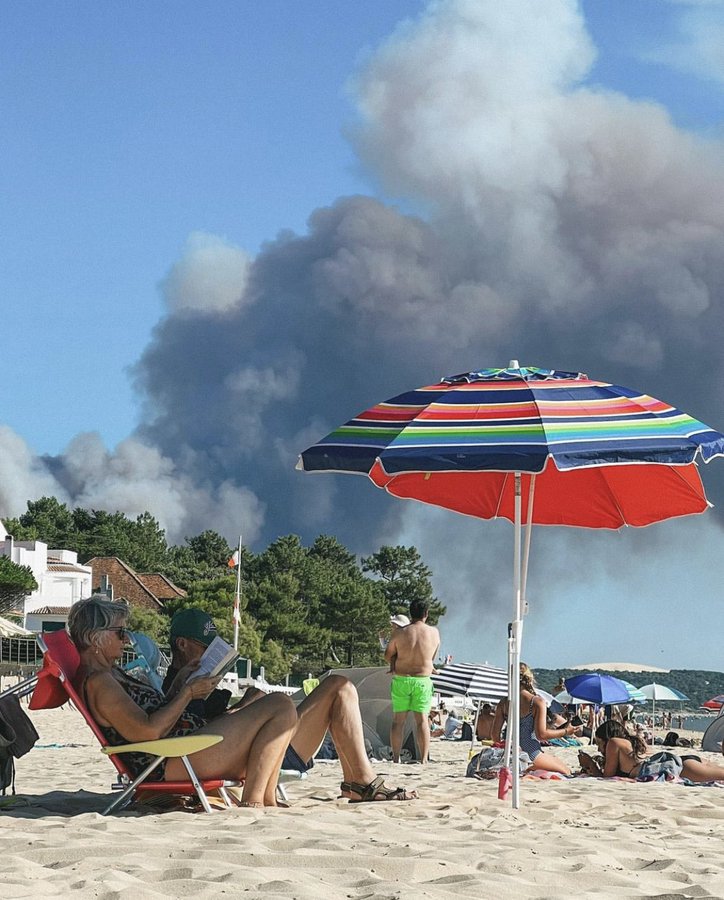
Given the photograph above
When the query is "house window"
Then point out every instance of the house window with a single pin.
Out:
(53, 626)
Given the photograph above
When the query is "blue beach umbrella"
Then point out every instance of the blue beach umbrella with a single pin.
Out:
(596, 688)
(534, 446)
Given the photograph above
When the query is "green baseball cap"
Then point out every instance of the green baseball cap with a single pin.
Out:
(195, 624)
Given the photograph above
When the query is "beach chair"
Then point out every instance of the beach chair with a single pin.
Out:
(55, 686)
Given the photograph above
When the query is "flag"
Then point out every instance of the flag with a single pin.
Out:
(237, 613)
(234, 561)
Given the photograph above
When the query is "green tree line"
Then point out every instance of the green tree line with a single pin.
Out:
(303, 609)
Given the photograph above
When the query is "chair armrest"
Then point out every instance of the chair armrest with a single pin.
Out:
(168, 747)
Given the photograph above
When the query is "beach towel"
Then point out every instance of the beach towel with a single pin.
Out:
(660, 767)
(488, 762)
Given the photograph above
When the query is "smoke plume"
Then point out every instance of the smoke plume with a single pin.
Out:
(557, 223)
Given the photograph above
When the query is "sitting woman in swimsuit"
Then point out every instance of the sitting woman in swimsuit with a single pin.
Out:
(533, 726)
(128, 710)
(624, 756)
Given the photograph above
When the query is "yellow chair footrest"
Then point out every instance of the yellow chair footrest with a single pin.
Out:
(168, 747)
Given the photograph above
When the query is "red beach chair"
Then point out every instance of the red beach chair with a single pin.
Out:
(55, 686)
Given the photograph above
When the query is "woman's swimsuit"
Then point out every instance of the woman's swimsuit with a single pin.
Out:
(149, 700)
(529, 743)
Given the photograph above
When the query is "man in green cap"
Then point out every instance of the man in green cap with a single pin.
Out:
(192, 630)
(333, 706)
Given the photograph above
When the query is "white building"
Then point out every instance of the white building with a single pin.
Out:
(60, 577)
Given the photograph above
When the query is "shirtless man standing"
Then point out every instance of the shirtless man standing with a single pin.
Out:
(486, 720)
(412, 650)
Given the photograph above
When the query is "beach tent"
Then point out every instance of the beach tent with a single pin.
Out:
(714, 735)
(373, 687)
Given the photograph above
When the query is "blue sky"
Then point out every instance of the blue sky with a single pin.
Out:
(130, 127)
(126, 128)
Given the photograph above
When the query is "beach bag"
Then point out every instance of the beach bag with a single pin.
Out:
(488, 762)
(17, 737)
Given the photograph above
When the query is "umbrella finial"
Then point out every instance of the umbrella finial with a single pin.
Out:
(514, 364)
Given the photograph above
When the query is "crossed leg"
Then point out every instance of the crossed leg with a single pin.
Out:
(255, 739)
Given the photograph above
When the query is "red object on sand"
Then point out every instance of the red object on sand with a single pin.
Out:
(505, 782)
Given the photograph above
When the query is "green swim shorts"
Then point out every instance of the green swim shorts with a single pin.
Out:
(412, 693)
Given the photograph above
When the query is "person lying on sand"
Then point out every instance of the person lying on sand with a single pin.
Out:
(533, 726)
(332, 706)
(624, 756)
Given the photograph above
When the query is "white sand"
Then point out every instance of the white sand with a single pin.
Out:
(578, 838)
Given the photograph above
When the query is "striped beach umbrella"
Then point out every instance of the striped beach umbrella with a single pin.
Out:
(481, 682)
(636, 694)
(603, 456)
(532, 445)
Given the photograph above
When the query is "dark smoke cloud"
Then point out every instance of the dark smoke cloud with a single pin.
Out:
(564, 225)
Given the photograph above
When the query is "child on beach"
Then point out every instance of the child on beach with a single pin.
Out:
(396, 622)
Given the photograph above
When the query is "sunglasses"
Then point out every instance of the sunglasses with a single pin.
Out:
(121, 631)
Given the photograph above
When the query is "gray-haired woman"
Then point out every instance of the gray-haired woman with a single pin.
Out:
(128, 710)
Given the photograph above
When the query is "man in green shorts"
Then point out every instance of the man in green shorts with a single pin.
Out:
(411, 653)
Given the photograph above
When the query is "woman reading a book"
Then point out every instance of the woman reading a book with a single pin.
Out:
(127, 710)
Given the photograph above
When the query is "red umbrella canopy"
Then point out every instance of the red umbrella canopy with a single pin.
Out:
(594, 497)
(603, 455)
(715, 702)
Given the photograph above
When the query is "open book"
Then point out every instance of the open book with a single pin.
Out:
(218, 659)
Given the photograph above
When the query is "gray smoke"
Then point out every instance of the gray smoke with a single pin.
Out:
(558, 223)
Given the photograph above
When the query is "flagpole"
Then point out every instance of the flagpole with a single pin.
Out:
(237, 598)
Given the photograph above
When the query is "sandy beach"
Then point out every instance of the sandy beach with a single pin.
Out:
(578, 838)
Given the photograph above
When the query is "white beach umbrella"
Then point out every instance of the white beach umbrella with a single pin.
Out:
(565, 698)
(660, 692)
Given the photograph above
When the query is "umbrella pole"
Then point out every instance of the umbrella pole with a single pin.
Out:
(507, 756)
(526, 550)
(475, 729)
(517, 635)
(520, 578)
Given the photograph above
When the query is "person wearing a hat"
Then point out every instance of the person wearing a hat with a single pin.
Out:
(192, 630)
(332, 706)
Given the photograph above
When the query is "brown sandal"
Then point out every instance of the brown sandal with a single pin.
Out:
(376, 791)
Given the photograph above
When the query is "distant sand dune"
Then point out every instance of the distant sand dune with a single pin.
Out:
(619, 667)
